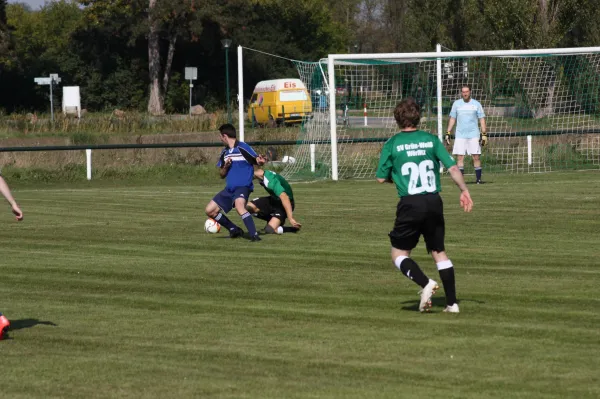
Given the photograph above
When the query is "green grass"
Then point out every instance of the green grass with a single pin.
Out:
(116, 291)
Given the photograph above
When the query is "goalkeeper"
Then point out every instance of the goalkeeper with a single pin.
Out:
(465, 113)
(277, 206)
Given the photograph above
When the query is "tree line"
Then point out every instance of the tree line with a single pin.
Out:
(132, 53)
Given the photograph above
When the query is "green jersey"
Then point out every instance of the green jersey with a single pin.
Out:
(412, 161)
(276, 185)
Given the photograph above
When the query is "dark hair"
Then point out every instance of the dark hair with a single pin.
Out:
(228, 130)
(407, 113)
(466, 86)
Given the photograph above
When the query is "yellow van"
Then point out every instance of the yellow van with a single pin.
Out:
(279, 101)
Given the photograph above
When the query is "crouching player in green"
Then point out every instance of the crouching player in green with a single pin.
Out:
(277, 206)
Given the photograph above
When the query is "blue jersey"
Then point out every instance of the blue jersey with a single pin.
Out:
(241, 171)
(467, 115)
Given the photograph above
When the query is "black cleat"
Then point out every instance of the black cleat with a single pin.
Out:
(235, 233)
(479, 182)
(255, 238)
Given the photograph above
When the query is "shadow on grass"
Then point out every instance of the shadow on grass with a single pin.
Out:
(28, 323)
(436, 302)
(25, 323)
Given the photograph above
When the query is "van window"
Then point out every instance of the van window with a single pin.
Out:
(292, 95)
(254, 97)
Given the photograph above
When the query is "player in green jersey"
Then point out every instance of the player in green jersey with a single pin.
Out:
(411, 160)
(277, 206)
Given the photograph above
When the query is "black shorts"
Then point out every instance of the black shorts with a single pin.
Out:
(270, 207)
(416, 215)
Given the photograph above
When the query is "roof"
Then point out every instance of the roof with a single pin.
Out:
(279, 84)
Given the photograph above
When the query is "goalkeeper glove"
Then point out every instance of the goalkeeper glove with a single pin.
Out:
(447, 138)
(484, 139)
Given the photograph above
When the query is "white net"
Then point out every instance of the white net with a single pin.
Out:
(542, 111)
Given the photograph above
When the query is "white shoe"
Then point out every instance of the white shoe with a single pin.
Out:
(426, 294)
(452, 309)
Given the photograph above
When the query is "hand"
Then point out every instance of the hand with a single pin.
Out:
(447, 140)
(261, 160)
(227, 163)
(483, 139)
(17, 212)
(465, 201)
(294, 223)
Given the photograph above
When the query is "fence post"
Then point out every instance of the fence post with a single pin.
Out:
(312, 158)
(529, 151)
(365, 112)
(88, 159)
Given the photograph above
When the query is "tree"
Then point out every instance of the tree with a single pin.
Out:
(162, 22)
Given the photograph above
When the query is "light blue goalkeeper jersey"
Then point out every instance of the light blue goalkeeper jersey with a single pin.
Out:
(467, 117)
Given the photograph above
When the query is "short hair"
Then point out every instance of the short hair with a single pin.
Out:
(407, 113)
(228, 130)
(465, 87)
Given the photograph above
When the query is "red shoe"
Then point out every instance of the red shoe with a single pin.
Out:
(4, 323)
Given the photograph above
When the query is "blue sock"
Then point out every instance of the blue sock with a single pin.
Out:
(225, 222)
(478, 173)
(462, 170)
(249, 222)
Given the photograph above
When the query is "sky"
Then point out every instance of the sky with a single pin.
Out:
(34, 4)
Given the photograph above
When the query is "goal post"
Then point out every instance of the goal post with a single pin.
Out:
(554, 101)
(542, 107)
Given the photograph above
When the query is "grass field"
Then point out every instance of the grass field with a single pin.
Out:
(115, 291)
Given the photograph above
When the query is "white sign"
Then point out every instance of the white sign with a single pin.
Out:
(191, 73)
(71, 100)
(43, 81)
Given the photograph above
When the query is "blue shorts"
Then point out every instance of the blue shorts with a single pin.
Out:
(226, 198)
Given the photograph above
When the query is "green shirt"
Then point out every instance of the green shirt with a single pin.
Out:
(276, 185)
(412, 161)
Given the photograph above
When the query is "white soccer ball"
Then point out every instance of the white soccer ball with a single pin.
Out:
(212, 226)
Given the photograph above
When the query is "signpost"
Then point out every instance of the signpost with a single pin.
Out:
(50, 81)
(191, 74)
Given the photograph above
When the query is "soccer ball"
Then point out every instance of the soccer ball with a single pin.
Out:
(212, 226)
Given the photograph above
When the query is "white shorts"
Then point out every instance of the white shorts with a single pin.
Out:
(466, 147)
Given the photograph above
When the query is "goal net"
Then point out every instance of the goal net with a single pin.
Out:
(542, 108)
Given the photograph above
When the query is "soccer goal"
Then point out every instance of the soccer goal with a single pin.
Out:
(542, 107)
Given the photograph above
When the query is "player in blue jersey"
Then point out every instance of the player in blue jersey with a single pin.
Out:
(236, 166)
(5, 191)
(468, 114)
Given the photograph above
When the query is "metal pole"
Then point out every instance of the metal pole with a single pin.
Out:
(51, 101)
(438, 49)
(191, 85)
(241, 95)
(227, 81)
(88, 159)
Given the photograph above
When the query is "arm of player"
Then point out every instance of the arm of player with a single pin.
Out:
(225, 168)
(451, 123)
(8, 195)
(287, 205)
(384, 170)
(465, 198)
(484, 137)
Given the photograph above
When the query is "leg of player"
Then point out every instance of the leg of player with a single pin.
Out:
(213, 210)
(4, 324)
(460, 162)
(477, 166)
(240, 206)
(250, 207)
(411, 269)
(274, 226)
(446, 270)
